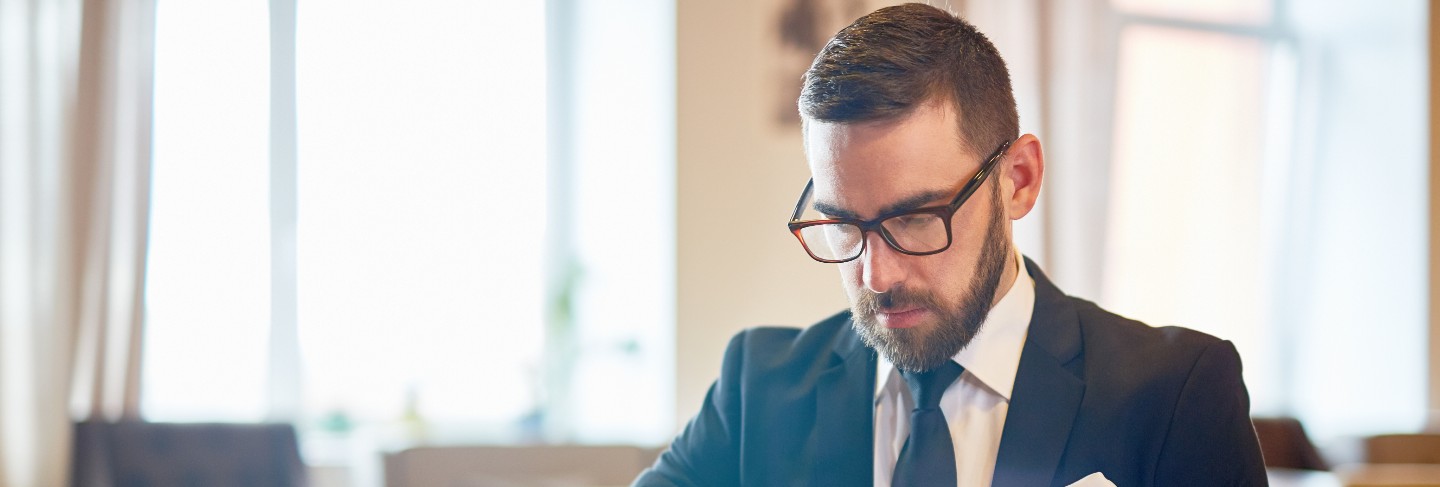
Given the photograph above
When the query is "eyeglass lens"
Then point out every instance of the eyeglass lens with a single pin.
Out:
(914, 232)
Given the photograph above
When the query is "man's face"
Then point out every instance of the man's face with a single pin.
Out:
(917, 310)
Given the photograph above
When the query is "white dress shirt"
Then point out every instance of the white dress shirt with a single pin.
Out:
(974, 405)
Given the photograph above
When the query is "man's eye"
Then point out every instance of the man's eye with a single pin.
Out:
(911, 219)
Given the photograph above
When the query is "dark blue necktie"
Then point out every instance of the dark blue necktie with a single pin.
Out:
(928, 457)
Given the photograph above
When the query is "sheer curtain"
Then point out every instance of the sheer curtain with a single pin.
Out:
(1061, 63)
(74, 170)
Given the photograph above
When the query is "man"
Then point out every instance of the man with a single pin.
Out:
(959, 362)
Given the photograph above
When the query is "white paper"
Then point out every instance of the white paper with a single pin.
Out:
(1096, 479)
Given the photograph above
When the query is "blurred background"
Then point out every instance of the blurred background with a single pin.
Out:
(406, 227)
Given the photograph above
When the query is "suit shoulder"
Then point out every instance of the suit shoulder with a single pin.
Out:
(1102, 327)
(1137, 353)
(775, 347)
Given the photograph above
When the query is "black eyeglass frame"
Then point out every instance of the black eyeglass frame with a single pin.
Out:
(946, 213)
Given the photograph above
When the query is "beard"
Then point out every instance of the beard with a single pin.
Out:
(923, 348)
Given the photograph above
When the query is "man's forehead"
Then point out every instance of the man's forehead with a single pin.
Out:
(876, 167)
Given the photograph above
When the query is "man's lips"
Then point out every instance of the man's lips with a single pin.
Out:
(900, 318)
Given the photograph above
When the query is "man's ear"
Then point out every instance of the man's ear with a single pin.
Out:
(1024, 170)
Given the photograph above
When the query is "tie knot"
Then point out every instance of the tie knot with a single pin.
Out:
(927, 387)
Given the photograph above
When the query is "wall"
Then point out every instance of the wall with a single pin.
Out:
(1434, 406)
(737, 178)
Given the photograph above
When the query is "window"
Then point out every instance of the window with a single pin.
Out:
(422, 205)
(1290, 146)
(208, 281)
(1188, 203)
(441, 259)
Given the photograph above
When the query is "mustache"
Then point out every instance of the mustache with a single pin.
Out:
(870, 303)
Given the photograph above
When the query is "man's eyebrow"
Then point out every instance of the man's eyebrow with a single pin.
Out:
(912, 202)
(830, 210)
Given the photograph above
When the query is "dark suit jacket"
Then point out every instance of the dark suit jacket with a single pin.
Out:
(1095, 392)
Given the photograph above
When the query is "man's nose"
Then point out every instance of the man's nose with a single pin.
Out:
(881, 264)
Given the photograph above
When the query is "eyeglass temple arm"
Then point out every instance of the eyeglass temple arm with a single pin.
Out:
(981, 175)
(804, 198)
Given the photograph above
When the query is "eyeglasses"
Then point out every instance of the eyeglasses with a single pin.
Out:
(922, 231)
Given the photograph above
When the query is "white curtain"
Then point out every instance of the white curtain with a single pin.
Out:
(1061, 61)
(75, 91)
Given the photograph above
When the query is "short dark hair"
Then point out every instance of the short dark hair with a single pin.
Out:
(896, 58)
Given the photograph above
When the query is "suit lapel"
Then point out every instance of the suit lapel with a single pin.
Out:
(844, 416)
(1047, 394)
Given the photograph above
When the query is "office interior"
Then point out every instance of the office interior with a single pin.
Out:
(444, 242)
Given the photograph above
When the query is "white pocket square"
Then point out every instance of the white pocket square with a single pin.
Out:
(1096, 479)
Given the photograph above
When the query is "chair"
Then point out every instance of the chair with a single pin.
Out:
(503, 466)
(1284, 444)
(136, 454)
(1403, 448)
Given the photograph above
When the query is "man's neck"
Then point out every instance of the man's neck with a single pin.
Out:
(1007, 276)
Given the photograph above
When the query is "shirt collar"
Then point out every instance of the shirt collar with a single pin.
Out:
(993, 356)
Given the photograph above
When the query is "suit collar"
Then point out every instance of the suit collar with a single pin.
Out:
(1054, 326)
(847, 343)
(993, 355)
(1047, 391)
(844, 433)
(1043, 404)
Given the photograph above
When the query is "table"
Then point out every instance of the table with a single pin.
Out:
(1359, 475)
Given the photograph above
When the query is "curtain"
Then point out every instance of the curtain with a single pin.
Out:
(75, 91)
(1061, 61)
